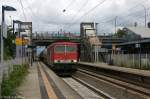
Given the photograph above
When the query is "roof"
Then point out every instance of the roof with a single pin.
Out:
(143, 31)
(136, 42)
(62, 43)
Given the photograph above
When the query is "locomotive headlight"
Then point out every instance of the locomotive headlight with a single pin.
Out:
(75, 61)
(55, 61)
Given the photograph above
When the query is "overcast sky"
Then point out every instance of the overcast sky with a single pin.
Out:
(48, 15)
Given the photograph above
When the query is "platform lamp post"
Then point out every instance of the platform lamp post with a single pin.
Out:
(16, 22)
(4, 8)
(23, 47)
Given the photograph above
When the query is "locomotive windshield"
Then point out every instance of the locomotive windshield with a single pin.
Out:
(70, 48)
(60, 48)
(65, 48)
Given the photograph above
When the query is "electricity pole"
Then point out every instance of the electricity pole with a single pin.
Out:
(145, 14)
(115, 24)
(2, 30)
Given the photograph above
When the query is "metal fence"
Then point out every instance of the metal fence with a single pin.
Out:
(138, 61)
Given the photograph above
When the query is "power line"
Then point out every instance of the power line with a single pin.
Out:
(139, 3)
(22, 9)
(126, 15)
(83, 6)
(123, 16)
(86, 13)
(104, 18)
(79, 10)
(137, 16)
(32, 12)
(135, 6)
(137, 12)
(68, 5)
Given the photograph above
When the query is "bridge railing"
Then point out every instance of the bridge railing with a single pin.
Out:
(48, 35)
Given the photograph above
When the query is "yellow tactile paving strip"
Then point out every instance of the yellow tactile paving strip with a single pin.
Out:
(49, 89)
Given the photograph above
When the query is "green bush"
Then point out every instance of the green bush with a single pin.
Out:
(14, 79)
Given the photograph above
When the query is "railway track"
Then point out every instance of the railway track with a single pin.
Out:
(133, 78)
(68, 87)
(86, 90)
(131, 89)
(52, 86)
(94, 89)
(88, 84)
(82, 90)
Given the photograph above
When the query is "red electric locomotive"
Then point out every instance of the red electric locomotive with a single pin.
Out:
(62, 57)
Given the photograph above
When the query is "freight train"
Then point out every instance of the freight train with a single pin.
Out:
(62, 57)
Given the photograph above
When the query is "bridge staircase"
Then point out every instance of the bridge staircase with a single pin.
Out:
(91, 45)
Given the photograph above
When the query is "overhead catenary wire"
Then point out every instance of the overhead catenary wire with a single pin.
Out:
(72, 2)
(79, 10)
(130, 9)
(67, 23)
(125, 22)
(137, 12)
(125, 16)
(117, 15)
(134, 19)
(20, 1)
(86, 13)
(76, 14)
(31, 10)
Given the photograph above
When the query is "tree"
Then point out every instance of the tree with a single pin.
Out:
(120, 33)
(9, 46)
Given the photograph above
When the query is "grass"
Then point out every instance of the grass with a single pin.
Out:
(14, 80)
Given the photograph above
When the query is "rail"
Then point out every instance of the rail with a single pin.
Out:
(99, 92)
(136, 83)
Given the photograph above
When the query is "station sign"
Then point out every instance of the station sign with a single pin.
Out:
(137, 45)
(20, 41)
(26, 28)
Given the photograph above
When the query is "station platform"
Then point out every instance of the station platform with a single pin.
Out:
(30, 88)
(139, 72)
(43, 83)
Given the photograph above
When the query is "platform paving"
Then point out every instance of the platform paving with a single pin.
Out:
(30, 88)
(117, 68)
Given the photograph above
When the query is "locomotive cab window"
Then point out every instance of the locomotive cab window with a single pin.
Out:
(59, 48)
(65, 48)
(71, 48)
